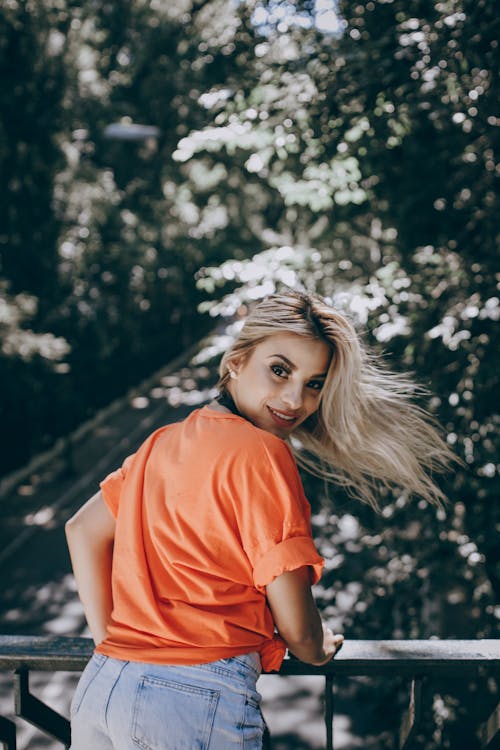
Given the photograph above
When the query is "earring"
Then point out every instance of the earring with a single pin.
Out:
(232, 374)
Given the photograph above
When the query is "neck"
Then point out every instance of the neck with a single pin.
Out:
(225, 399)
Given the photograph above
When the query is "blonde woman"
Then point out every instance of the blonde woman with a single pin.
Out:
(195, 560)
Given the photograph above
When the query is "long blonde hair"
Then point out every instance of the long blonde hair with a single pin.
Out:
(367, 432)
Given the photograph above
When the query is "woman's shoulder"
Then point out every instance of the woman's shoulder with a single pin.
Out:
(260, 445)
(240, 438)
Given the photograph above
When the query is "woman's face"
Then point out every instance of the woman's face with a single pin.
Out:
(278, 386)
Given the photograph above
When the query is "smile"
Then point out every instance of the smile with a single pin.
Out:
(282, 418)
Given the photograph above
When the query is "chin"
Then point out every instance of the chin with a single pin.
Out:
(277, 433)
(264, 425)
(283, 434)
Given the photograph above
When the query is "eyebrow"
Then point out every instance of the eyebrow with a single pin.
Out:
(294, 367)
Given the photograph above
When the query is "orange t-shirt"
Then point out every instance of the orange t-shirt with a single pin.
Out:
(208, 512)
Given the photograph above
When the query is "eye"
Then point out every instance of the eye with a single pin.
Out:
(316, 385)
(280, 370)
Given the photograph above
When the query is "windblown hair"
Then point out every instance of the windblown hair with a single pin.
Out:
(368, 433)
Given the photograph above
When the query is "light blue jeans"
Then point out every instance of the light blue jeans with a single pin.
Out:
(122, 705)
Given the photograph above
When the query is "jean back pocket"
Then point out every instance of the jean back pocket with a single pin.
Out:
(168, 713)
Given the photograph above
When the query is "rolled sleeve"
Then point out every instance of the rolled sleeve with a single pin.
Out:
(272, 512)
(290, 554)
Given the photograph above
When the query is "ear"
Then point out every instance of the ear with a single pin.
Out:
(235, 364)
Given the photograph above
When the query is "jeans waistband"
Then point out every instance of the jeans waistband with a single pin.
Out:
(251, 660)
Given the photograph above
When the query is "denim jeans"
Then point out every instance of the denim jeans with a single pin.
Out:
(122, 705)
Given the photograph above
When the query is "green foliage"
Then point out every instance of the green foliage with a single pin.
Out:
(104, 236)
(31, 114)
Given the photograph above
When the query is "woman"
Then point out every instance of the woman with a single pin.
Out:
(194, 561)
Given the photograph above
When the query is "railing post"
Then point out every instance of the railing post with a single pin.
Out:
(7, 734)
(411, 716)
(38, 713)
(490, 731)
(329, 711)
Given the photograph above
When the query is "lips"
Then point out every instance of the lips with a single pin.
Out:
(284, 419)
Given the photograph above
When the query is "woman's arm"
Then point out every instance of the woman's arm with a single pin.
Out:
(90, 535)
(298, 620)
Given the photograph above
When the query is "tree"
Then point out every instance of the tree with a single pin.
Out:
(102, 233)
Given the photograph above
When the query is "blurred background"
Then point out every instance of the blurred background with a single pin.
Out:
(164, 164)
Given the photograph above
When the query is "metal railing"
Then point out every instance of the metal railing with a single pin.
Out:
(413, 659)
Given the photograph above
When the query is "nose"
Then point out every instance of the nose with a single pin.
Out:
(291, 396)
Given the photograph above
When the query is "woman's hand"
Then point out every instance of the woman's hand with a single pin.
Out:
(332, 642)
